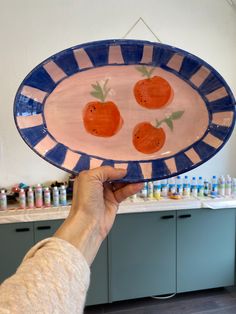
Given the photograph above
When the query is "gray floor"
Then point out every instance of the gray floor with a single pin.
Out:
(216, 301)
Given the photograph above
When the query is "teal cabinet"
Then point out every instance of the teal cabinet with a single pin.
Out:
(15, 240)
(142, 255)
(45, 229)
(98, 289)
(205, 249)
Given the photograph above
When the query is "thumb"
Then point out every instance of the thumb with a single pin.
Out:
(107, 173)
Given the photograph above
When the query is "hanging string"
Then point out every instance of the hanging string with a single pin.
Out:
(232, 4)
(148, 27)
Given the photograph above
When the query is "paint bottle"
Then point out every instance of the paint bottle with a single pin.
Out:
(30, 198)
(157, 189)
(144, 191)
(186, 187)
(200, 187)
(228, 185)
(22, 199)
(63, 197)
(164, 188)
(194, 187)
(3, 200)
(214, 186)
(150, 190)
(47, 197)
(234, 187)
(221, 186)
(171, 186)
(179, 185)
(38, 196)
(55, 196)
(206, 188)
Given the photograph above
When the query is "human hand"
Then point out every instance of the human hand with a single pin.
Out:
(94, 207)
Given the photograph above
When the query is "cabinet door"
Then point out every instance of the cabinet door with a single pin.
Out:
(205, 249)
(142, 255)
(98, 289)
(45, 229)
(15, 240)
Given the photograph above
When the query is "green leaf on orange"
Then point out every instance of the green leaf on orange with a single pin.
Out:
(176, 115)
(169, 122)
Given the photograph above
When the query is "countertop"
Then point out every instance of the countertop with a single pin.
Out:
(134, 206)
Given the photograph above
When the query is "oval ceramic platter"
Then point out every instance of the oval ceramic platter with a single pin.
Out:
(151, 108)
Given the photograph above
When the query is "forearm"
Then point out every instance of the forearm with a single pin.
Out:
(53, 278)
(83, 233)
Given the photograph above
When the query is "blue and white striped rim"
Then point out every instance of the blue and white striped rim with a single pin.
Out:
(43, 79)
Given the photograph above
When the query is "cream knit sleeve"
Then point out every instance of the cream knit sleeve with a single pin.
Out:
(53, 278)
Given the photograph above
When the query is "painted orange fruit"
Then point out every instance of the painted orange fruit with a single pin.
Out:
(152, 92)
(148, 139)
(101, 118)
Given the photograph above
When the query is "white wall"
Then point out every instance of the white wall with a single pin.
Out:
(32, 30)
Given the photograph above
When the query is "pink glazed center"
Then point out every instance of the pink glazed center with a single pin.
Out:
(63, 111)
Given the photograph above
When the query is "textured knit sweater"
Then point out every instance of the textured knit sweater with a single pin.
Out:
(53, 278)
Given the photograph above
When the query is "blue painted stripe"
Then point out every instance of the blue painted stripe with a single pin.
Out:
(189, 67)
(161, 56)
(134, 171)
(204, 150)
(98, 54)
(82, 164)
(210, 84)
(219, 131)
(40, 79)
(182, 162)
(159, 169)
(132, 54)
(220, 105)
(27, 107)
(57, 154)
(33, 135)
(108, 163)
(66, 61)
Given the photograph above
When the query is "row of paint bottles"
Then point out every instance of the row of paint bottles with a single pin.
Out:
(42, 197)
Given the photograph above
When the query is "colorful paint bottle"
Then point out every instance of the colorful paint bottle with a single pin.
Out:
(206, 188)
(179, 185)
(186, 187)
(22, 199)
(194, 187)
(63, 196)
(47, 197)
(200, 187)
(30, 198)
(234, 187)
(150, 190)
(55, 196)
(221, 186)
(144, 191)
(38, 196)
(228, 185)
(172, 187)
(164, 188)
(214, 186)
(157, 190)
(3, 200)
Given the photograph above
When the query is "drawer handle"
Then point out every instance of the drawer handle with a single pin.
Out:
(44, 227)
(167, 217)
(185, 216)
(22, 229)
